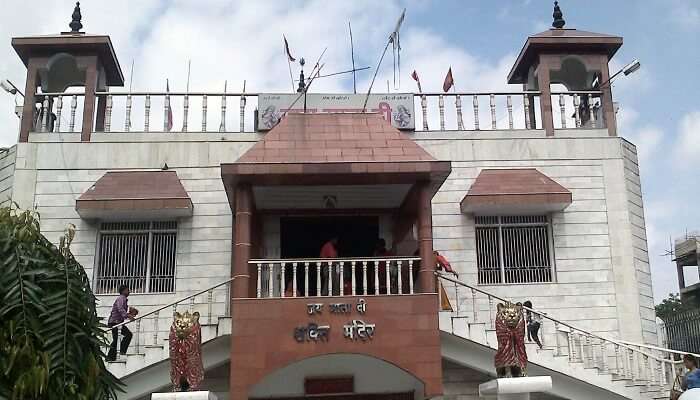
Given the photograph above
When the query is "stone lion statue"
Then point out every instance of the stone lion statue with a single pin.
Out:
(186, 368)
(511, 357)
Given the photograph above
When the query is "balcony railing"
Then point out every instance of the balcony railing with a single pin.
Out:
(335, 276)
(234, 112)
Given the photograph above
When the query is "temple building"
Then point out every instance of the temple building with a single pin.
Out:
(530, 195)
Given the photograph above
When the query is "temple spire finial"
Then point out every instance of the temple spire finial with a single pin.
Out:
(558, 17)
(75, 25)
(302, 83)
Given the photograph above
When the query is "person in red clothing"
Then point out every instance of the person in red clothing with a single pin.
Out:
(328, 250)
(443, 264)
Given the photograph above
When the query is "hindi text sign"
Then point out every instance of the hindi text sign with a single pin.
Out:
(395, 107)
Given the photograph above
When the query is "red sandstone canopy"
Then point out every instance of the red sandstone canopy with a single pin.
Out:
(514, 191)
(135, 194)
(334, 149)
(561, 41)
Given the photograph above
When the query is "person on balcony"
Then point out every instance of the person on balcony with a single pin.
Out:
(120, 313)
(534, 322)
(328, 250)
(692, 377)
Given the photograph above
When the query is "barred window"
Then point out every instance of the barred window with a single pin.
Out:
(140, 255)
(513, 249)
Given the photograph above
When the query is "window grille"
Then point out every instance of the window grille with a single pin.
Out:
(140, 255)
(513, 249)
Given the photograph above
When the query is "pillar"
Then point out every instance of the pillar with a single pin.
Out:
(242, 240)
(426, 274)
(543, 81)
(29, 108)
(681, 275)
(606, 100)
(89, 100)
(100, 117)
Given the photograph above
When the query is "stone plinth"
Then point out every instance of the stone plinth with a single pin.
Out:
(201, 395)
(514, 388)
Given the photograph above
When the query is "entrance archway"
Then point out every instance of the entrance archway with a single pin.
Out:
(370, 377)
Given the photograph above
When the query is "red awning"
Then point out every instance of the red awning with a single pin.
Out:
(523, 191)
(127, 195)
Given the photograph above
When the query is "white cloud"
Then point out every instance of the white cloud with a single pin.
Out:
(243, 41)
(687, 146)
(686, 14)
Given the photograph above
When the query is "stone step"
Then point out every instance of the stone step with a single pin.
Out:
(152, 353)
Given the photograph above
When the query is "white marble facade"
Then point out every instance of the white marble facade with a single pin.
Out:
(602, 282)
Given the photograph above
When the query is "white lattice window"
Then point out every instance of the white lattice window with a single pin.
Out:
(513, 249)
(140, 255)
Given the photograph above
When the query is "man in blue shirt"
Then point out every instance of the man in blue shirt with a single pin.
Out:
(692, 377)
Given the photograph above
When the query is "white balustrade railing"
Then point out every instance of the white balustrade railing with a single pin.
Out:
(470, 111)
(177, 111)
(58, 112)
(207, 112)
(654, 366)
(335, 277)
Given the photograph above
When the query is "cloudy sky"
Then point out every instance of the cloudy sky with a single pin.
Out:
(234, 40)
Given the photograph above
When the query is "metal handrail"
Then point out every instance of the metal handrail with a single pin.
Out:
(544, 315)
(178, 301)
(339, 259)
(233, 94)
(495, 93)
(648, 346)
(255, 94)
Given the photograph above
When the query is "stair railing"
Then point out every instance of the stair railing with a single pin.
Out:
(209, 306)
(608, 356)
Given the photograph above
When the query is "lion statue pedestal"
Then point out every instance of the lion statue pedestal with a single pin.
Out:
(184, 396)
(514, 388)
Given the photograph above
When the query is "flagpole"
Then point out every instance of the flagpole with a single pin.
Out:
(391, 40)
(186, 101)
(131, 82)
(131, 78)
(189, 66)
(352, 56)
(289, 62)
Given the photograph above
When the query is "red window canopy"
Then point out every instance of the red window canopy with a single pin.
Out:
(524, 191)
(134, 195)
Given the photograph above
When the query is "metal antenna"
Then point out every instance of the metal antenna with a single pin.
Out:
(341, 72)
(352, 56)
(671, 250)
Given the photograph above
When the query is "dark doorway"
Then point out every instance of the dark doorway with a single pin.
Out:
(303, 237)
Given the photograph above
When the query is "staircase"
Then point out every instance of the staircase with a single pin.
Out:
(149, 344)
(610, 368)
(140, 357)
(630, 371)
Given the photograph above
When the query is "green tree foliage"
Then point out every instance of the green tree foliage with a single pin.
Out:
(51, 340)
(670, 306)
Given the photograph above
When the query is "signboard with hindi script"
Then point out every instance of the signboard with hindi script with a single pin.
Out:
(396, 107)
